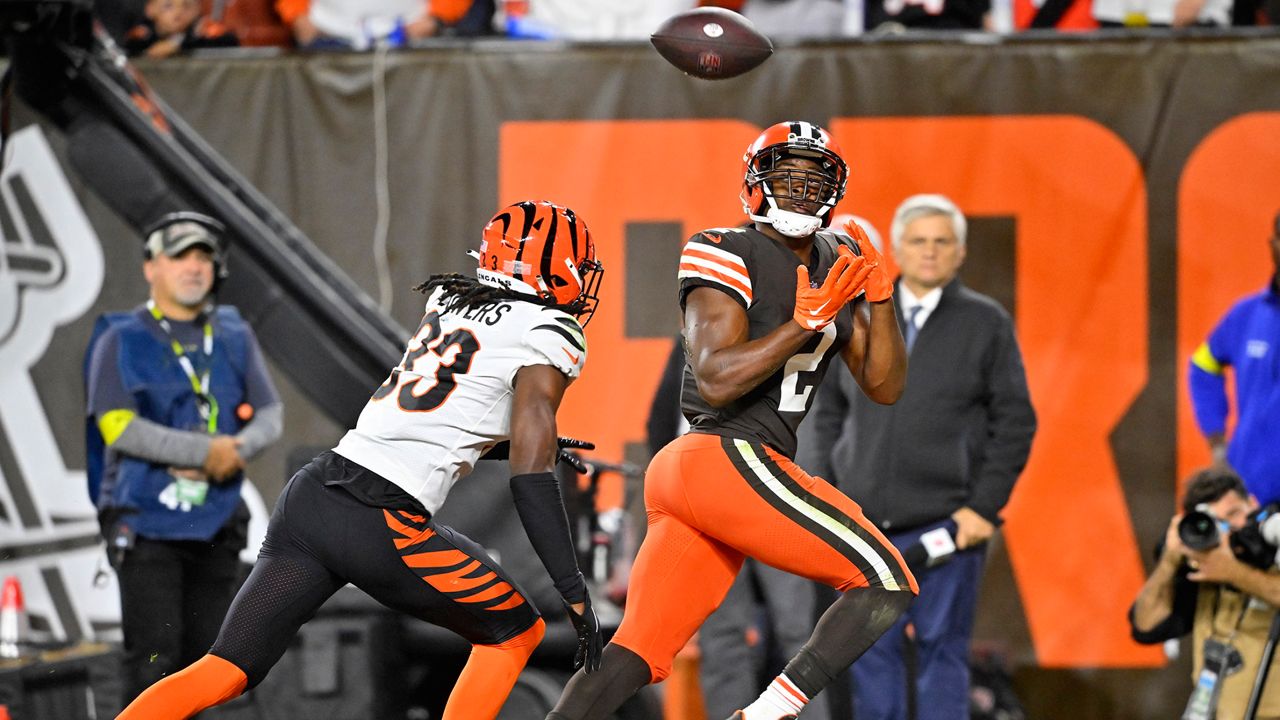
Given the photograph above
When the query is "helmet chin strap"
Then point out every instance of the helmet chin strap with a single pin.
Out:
(791, 224)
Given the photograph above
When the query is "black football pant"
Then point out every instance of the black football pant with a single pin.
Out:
(321, 538)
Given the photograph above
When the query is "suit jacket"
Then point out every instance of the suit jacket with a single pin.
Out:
(959, 435)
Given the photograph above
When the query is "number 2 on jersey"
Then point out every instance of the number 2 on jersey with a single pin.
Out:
(414, 399)
(794, 397)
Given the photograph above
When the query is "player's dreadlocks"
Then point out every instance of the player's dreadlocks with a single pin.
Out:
(465, 292)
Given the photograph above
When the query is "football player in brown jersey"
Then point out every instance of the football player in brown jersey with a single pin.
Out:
(766, 310)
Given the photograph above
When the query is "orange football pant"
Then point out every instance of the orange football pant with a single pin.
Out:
(480, 692)
(714, 500)
(489, 675)
(204, 683)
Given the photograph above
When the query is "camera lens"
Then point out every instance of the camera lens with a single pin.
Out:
(1198, 531)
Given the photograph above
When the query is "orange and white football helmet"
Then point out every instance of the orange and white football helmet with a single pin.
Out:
(544, 251)
(763, 180)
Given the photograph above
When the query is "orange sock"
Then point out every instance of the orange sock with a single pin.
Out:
(204, 683)
(489, 675)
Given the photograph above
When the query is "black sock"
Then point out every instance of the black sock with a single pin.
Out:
(851, 625)
(596, 696)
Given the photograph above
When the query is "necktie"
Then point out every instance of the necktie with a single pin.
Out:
(912, 329)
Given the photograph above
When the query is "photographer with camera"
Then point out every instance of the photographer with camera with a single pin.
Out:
(1207, 582)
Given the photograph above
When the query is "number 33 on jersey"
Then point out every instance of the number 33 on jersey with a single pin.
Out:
(449, 399)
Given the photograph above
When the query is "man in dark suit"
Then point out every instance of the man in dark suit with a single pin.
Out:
(945, 456)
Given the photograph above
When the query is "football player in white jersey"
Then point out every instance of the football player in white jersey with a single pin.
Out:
(484, 373)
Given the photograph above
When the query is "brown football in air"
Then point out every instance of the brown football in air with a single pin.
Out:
(711, 43)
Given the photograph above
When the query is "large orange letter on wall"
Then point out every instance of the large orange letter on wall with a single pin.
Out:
(1226, 201)
(1079, 199)
(612, 173)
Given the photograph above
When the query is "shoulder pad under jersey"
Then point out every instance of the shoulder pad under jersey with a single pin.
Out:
(717, 258)
(558, 337)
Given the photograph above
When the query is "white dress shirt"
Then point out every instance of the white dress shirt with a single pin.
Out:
(927, 304)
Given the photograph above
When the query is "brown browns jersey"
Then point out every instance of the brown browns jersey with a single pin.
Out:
(760, 274)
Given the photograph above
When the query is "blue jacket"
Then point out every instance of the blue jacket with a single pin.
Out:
(133, 488)
(1248, 340)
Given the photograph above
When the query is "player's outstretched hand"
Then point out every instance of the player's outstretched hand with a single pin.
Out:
(590, 639)
(879, 285)
(816, 307)
(502, 451)
(574, 462)
(570, 459)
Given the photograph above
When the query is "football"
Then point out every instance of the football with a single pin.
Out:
(711, 43)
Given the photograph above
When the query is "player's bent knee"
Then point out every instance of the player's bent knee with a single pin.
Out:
(906, 586)
(522, 645)
(527, 640)
(659, 668)
(254, 673)
(886, 605)
(537, 632)
(896, 602)
(899, 596)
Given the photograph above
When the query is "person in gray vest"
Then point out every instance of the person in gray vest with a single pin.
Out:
(945, 456)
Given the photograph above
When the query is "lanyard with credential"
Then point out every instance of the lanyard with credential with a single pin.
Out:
(205, 402)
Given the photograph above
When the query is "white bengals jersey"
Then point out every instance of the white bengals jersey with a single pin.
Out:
(449, 400)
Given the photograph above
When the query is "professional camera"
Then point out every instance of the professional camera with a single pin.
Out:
(1256, 543)
(1198, 529)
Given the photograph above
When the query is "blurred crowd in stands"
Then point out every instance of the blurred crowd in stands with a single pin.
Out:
(160, 28)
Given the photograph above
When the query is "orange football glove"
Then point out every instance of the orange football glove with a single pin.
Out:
(816, 307)
(879, 285)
